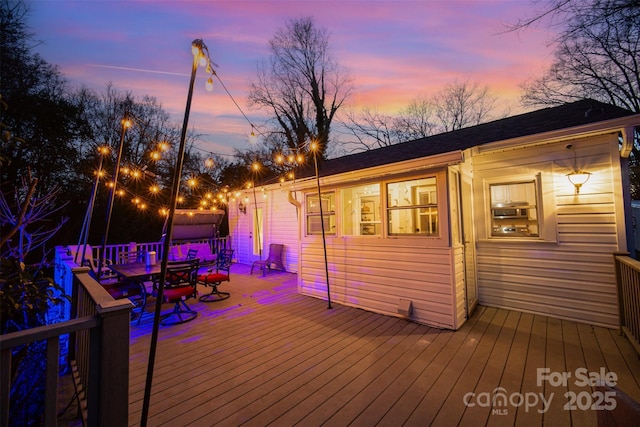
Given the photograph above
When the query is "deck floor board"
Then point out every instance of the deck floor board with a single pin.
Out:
(269, 356)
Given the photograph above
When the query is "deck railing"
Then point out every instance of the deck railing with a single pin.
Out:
(628, 283)
(115, 253)
(98, 353)
(91, 337)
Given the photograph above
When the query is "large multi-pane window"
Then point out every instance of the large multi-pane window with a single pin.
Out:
(412, 207)
(361, 212)
(314, 222)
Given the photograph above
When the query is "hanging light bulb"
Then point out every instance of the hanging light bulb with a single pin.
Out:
(209, 163)
(209, 84)
(253, 138)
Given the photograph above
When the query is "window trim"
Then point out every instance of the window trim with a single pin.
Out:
(414, 207)
(325, 214)
(544, 204)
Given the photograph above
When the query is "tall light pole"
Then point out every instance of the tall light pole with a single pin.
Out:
(255, 167)
(314, 148)
(298, 158)
(200, 57)
(126, 124)
(86, 226)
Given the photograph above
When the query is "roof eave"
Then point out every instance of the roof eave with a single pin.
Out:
(625, 125)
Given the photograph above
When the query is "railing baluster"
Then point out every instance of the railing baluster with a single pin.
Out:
(628, 284)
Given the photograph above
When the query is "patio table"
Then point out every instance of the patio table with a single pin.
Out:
(136, 270)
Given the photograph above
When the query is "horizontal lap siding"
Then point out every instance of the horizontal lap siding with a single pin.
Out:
(459, 272)
(374, 274)
(281, 226)
(572, 278)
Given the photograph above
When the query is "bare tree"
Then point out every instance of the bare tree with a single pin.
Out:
(301, 84)
(457, 105)
(463, 104)
(417, 120)
(25, 216)
(596, 56)
(369, 129)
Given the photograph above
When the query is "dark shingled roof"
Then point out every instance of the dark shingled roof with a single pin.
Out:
(539, 121)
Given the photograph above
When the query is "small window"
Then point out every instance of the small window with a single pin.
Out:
(314, 222)
(361, 211)
(412, 207)
(514, 209)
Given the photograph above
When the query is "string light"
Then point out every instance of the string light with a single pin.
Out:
(200, 50)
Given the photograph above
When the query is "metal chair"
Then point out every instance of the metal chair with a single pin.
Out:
(180, 286)
(274, 259)
(132, 256)
(78, 251)
(118, 288)
(213, 278)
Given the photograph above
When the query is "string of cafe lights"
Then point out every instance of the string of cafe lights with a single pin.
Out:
(209, 200)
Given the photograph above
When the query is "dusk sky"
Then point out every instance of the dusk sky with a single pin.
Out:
(395, 50)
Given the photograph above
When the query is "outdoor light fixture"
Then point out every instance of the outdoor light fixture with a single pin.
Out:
(200, 58)
(577, 177)
(298, 158)
(126, 123)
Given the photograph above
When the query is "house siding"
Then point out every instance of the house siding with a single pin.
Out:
(280, 220)
(459, 300)
(374, 274)
(281, 223)
(571, 277)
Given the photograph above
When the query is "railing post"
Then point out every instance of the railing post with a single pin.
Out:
(616, 263)
(114, 363)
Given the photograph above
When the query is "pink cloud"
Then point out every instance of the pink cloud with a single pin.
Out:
(395, 50)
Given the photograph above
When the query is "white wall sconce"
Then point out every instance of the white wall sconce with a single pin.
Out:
(577, 177)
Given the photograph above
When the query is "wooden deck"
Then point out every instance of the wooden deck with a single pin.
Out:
(268, 356)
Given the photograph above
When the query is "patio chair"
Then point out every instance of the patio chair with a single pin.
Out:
(276, 251)
(213, 279)
(89, 261)
(180, 286)
(132, 256)
(118, 288)
(191, 254)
